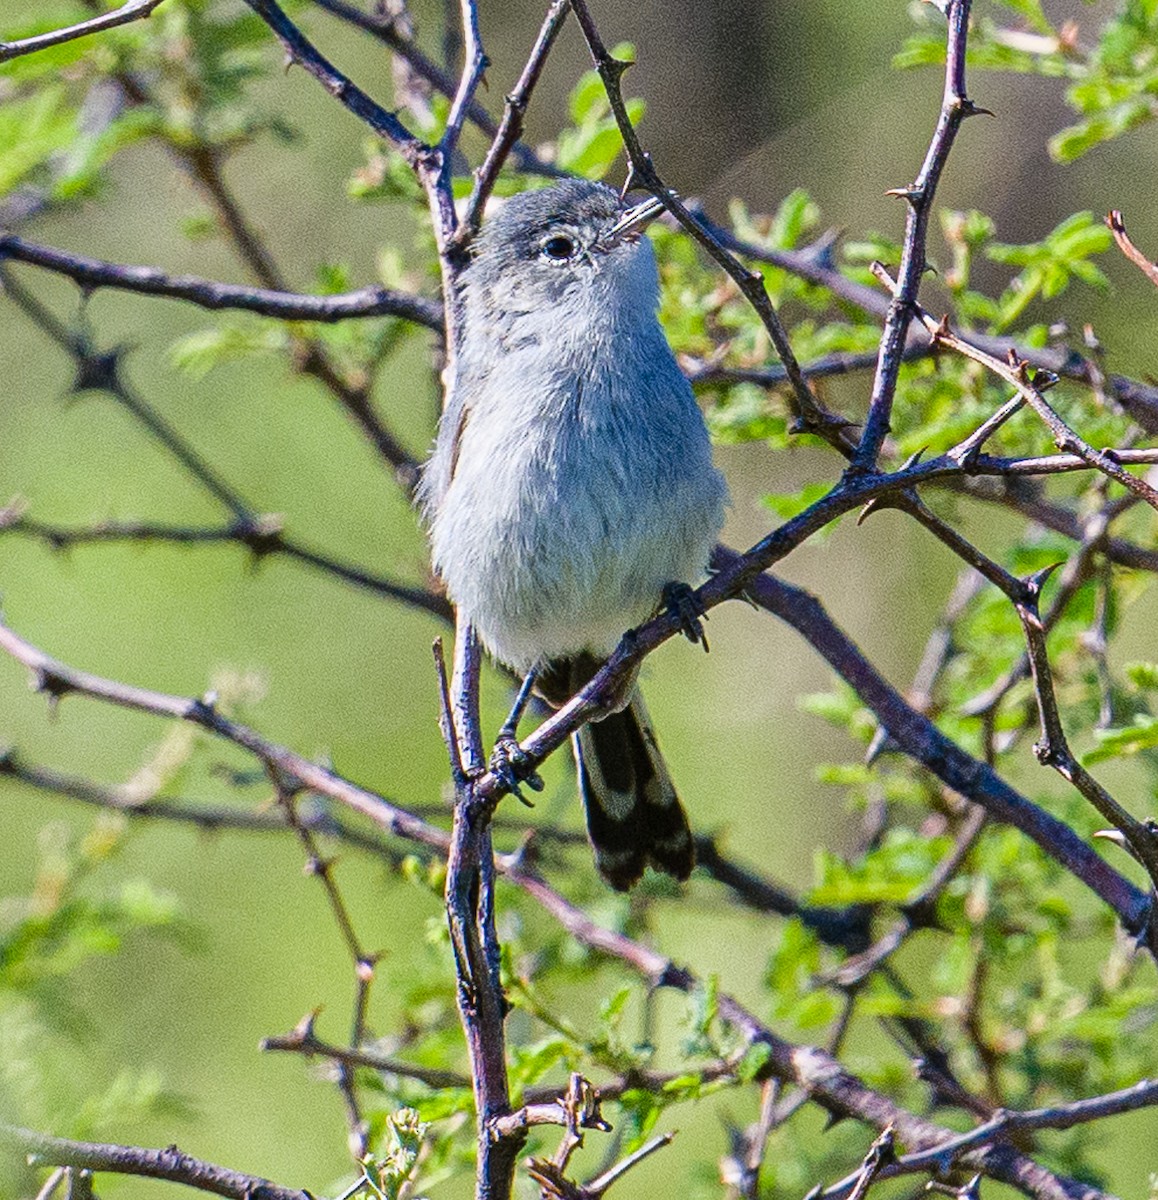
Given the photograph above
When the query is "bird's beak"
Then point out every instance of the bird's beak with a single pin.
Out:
(633, 222)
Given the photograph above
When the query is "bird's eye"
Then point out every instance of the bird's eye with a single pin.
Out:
(558, 248)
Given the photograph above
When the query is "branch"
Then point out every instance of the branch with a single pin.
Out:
(132, 10)
(101, 370)
(206, 817)
(93, 273)
(817, 1073)
(261, 536)
(1127, 247)
(506, 136)
(916, 735)
(940, 1159)
(955, 107)
(1053, 750)
(386, 31)
(810, 414)
(56, 680)
(470, 910)
(169, 1164)
(423, 158)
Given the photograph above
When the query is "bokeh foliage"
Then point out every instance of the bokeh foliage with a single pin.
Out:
(1021, 981)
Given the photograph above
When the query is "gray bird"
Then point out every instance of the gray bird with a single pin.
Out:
(571, 485)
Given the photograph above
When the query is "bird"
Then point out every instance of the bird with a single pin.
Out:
(571, 493)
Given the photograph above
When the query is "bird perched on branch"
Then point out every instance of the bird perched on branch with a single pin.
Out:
(571, 491)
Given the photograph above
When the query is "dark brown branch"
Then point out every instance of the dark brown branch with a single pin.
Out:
(423, 158)
(57, 680)
(955, 107)
(169, 1164)
(817, 1073)
(93, 273)
(916, 735)
(810, 414)
(940, 1159)
(261, 536)
(132, 10)
(386, 30)
(506, 136)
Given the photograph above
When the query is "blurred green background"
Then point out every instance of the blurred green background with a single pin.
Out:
(750, 98)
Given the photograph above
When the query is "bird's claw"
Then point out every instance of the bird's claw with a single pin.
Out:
(511, 766)
(681, 601)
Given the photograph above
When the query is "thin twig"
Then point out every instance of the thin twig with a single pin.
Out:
(93, 273)
(262, 536)
(132, 10)
(955, 107)
(169, 1164)
(1127, 247)
(510, 129)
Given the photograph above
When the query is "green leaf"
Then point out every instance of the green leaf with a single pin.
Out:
(1126, 741)
(32, 130)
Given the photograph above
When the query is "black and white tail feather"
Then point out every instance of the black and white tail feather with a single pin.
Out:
(634, 816)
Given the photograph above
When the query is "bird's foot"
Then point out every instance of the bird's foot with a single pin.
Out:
(511, 766)
(681, 601)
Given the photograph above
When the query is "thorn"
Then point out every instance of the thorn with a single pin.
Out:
(1036, 582)
(616, 67)
(873, 506)
(967, 108)
(911, 192)
(942, 332)
(97, 372)
(882, 743)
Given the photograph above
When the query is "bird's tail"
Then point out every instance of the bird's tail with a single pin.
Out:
(634, 816)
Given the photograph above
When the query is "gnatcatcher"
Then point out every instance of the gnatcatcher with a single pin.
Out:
(572, 485)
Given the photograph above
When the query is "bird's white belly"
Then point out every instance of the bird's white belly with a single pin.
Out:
(547, 558)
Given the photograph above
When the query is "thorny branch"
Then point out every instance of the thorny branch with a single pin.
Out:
(92, 273)
(132, 10)
(955, 107)
(471, 862)
(169, 1164)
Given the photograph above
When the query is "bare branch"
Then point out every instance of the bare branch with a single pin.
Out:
(387, 31)
(955, 107)
(56, 680)
(506, 136)
(93, 273)
(940, 1159)
(1118, 229)
(169, 1164)
(423, 158)
(916, 735)
(260, 535)
(132, 10)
